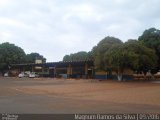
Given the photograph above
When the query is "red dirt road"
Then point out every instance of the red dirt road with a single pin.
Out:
(78, 96)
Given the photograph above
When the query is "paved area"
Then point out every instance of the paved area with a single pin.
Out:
(48, 95)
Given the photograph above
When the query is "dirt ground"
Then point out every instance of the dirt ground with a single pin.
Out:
(49, 95)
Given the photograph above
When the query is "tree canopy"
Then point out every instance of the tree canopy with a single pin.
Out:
(151, 39)
(10, 53)
(146, 58)
(79, 56)
(130, 55)
(30, 58)
(102, 47)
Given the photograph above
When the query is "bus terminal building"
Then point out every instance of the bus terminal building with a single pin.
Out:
(64, 69)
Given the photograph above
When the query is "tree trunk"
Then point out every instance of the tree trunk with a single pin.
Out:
(119, 76)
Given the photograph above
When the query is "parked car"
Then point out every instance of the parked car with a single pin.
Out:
(22, 74)
(33, 75)
(6, 74)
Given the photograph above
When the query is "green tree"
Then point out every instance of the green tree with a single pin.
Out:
(67, 58)
(151, 39)
(102, 48)
(30, 58)
(9, 54)
(130, 55)
(146, 57)
(79, 56)
(90, 55)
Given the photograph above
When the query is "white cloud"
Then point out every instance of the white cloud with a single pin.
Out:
(4, 2)
(59, 27)
(83, 12)
(12, 23)
(5, 36)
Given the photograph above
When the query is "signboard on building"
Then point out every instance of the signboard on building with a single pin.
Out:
(38, 61)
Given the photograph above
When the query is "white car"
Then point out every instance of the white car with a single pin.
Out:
(21, 75)
(33, 75)
(6, 74)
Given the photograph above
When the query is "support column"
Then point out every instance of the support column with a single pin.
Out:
(32, 68)
(55, 72)
(86, 70)
(43, 69)
(93, 72)
(69, 70)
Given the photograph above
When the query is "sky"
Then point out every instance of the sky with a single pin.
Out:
(55, 28)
